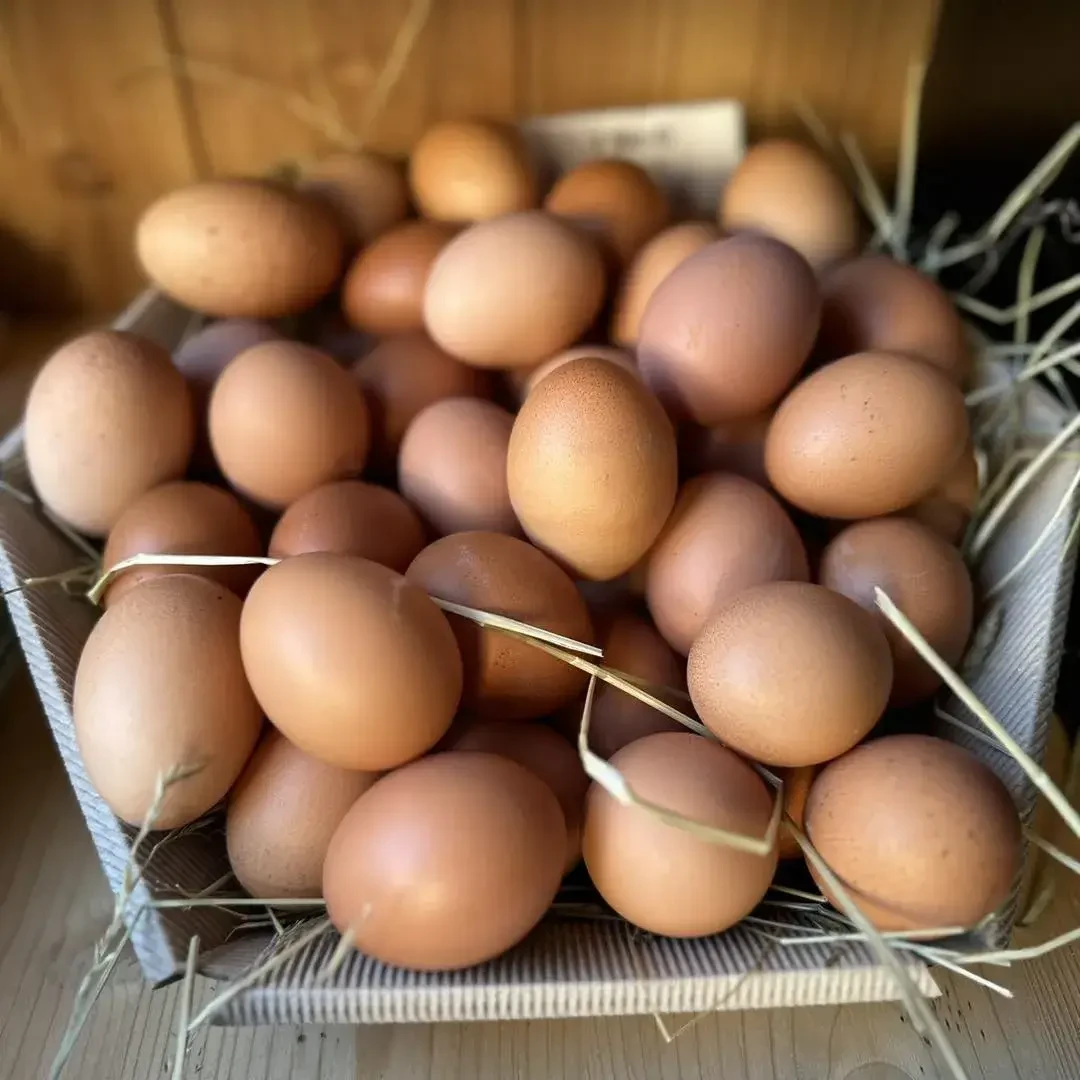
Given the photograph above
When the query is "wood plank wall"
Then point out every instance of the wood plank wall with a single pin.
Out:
(103, 105)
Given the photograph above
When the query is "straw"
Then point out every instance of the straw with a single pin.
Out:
(187, 993)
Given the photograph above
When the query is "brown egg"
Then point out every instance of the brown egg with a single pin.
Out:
(650, 266)
(726, 332)
(923, 575)
(948, 509)
(786, 190)
(724, 535)
(876, 304)
(659, 877)
(592, 468)
(108, 417)
(447, 862)
(160, 687)
(796, 791)
(383, 292)
(364, 191)
(183, 518)
(506, 679)
(240, 248)
(543, 752)
(281, 815)
(511, 292)
(470, 170)
(351, 518)
(922, 833)
(452, 466)
(737, 446)
(866, 435)
(790, 674)
(286, 419)
(349, 661)
(579, 352)
(401, 377)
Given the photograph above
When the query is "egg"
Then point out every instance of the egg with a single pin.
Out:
(876, 304)
(786, 190)
(727, 331)
(365, 192)
(796, 791)
(160, 687)
(866, 435)
(724, 535)
(350, 517)
(513, 291)
(949, 508)
(183, 518)
(663, 879)
(352, 663)
(592, 469)
(447, 862)
(531, 376)
(923, 575)
(240, 248)
(506, 679)
(921, 833)
(471, 170)
(108, 417)
(285, 419)
(615, 201)
(790, 674)
(383, 291)
(452, 466)
(650, 266)
(281, 815)
(737, 446)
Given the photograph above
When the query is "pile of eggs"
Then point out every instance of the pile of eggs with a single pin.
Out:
(698, 446)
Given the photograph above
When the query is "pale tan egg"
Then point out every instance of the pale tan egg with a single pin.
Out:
(365, 192)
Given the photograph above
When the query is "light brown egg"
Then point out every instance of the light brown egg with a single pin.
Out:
(160, 687)
(727, 331)
(108, 417)
(923, 575)
(513, 291)
(579, 352)
(876, 304)
(286, 419)
(592, 468)
(183, 518)
(724, 535)
(922, 833)
(796, 791)
(663, 879)
(948, 509)
(281, 815)
(866, 435)
(240, 248)
(506, 679)
(351, 518)
(447, 862)
(452, 466)
(737, 446)
(471, 170)
(788, 191)
(350, 662)
(790, 674)
(365, 192)
(383, 292)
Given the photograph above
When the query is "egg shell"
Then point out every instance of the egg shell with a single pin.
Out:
(351, 518)
(471, 170)
(876, 304)
(737, 446)
(240, 248)
(531, 376)
(351, 662)
(724, 535)
(592, 468)
(506, 679)
(364, 191)
(513, 291)
(788, 191)
(790, 674)
(160, 687)
(183, 518)
(383, 292)
(108, 417)
(663, 879)
(921, 833)
(948, 509)
(727, 331)
(796, 791)
(447, 862)
(923, 575)
(286, 419)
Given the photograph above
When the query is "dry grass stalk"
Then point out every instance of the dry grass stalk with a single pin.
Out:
(187, 993)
